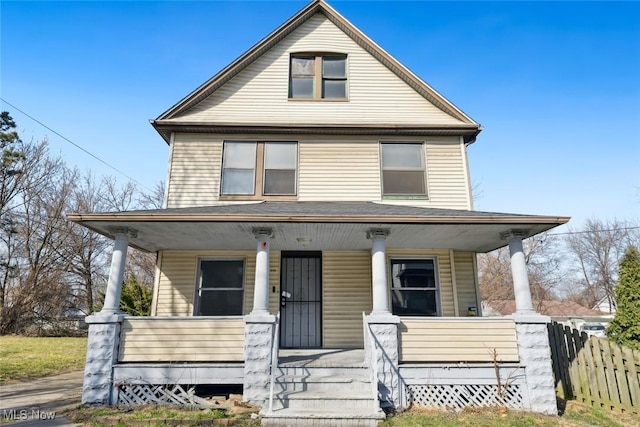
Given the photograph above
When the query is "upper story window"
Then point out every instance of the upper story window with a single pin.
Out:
(403, 169)
(318, 76)
(239, 168)
(220, 289)
(251, 169)
(414, 287)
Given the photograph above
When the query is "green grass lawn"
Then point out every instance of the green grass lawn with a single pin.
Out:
(575, 415)
(158, 416)
(33, 357)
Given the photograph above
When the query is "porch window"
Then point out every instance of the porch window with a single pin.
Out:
(414, 287)
(220, 288)
(255, 169)
(313, 76)
(403, 170)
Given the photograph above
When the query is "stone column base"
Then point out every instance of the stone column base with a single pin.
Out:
(535, 355)
(258, 341)
(102, 354)
(384, 357)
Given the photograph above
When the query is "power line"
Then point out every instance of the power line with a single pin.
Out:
(74, 144)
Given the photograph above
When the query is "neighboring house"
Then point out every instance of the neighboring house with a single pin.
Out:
(568, 313)
(552, 308)
(317, 178)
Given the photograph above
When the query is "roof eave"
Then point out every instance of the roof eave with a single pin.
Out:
(365, 219)
(468, 131)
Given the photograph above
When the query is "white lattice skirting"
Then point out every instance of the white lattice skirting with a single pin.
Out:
(146, 394)
(464, 396)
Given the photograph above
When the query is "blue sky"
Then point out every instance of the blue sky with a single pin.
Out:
(556, 85)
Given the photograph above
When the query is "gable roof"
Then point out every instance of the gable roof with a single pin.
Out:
(468, 126)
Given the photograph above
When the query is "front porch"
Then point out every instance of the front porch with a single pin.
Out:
(414, 337)
(441, 362)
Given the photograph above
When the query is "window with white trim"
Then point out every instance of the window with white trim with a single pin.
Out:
(403, 169)
(318, 76)
(414, 287)
(220, 287)
(251, 169)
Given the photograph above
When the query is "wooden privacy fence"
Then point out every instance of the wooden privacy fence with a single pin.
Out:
(594, 370)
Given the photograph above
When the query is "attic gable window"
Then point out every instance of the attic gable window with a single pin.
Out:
(318, 77)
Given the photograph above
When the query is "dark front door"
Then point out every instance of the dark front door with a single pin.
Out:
(301, 300)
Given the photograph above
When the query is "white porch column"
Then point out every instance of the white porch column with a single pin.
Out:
(104, 329)
(259, 330)
(261, 289)
(380, 293)
(521, 287)
(116, 273)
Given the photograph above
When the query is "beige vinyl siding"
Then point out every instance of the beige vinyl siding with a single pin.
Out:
(259, 94)
(182, 340)
(274, 284)
(177, 283)
(331, 170)
(457, 340)
(346, 290)
(444, 273)
(446, 174)
(194, 174)
(466, 282)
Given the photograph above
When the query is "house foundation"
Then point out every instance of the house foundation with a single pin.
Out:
(535, 355)
(102, 355)
(258, 341)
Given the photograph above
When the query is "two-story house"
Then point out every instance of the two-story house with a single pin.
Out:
(318, 245)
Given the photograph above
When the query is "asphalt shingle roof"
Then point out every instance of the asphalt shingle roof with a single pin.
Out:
(337, 209)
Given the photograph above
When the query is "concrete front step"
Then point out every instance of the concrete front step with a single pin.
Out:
(335, 417)
(346, 400)
(325, 371)
(323, 396)
(343, 383)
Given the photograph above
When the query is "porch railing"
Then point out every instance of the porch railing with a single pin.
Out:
(456, 339)
(182, 339)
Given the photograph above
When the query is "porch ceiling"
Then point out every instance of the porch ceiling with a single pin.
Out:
(330, 226)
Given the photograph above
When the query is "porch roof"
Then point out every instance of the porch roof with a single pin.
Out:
(328, 225)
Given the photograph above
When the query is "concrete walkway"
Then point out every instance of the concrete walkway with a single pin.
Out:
(40, 402)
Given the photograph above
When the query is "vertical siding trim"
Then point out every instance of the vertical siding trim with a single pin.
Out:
(427, 175)
(467, 176)
(474, 258)
(156, 283)
(165, 200)
(454, 286)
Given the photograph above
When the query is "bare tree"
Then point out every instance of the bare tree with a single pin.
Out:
(141, 266)
(36, 291)
(545, 272)
(597, 251)
(153, 199)
(50, 267)
(87, 250)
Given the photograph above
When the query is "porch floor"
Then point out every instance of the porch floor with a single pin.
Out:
(321, 358)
